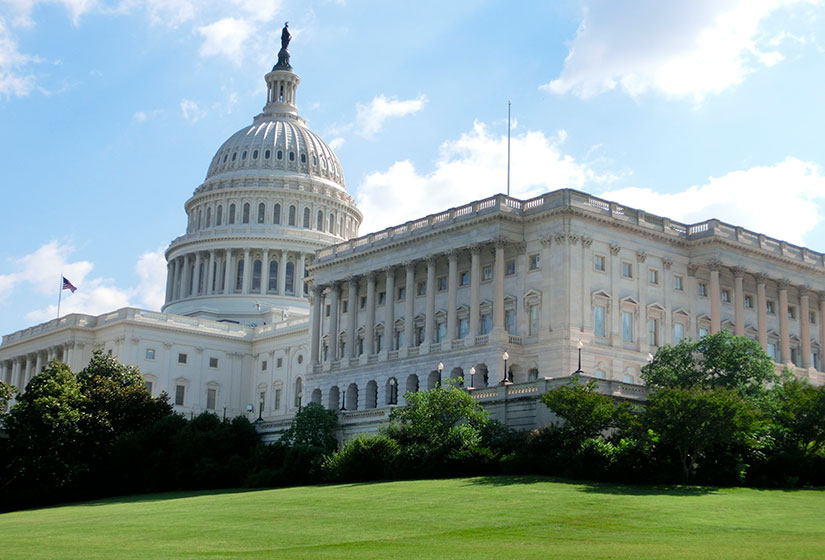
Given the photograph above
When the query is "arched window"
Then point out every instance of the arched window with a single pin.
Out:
(256, 276)
(232, 213)
(267, 154)
(261, 212)
(290, 277)
(299, 391)
(319, 221)
(291, 156)
(280, 154)
(276, 214)
(273, 276)
(306, 217)
(292, 215)
(199, 219)
(239, 277)
(246, 213)
(209, 217)
(219, 216)
(332, 223)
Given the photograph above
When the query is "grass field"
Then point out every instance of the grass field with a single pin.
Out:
(475, 518)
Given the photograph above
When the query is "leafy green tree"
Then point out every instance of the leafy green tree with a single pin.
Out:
(695, 423)
(314, 426)
(586, 412)
(799, 419)
(719, 360)
(6, 394)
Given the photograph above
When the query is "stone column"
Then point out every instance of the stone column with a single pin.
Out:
(783, 320)
(822, 331)
(641, 286)
(369, 322)
(715, 297)
(805, 326)
(429, 320)
(264, 271)
(282, 274)
(761, 310)
(197, 282)
(389, 308)
(615, 306)
(475, 291)
(212, 273)
(586, 268)
(452, 288)
(316, 324)
(16, 366)
(352, 311)
(409, 306)
(247, 271)
(332, 333)
(498, 287)
(301, 288)
(170, 279)
(38, 367)
(667, 284)
(187, 277)
(739, 300)
(177, 280)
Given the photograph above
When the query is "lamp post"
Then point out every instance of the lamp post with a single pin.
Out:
(440, 368)
(344, 400)
(261, 410)
(580, 345)
(505, 357)
(224, 412)
(300, 399)
(472, 378)
(393, 391)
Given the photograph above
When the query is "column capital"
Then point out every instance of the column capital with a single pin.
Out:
(547, 240)
(500, 242)
(641, 256)
(353, 279)
(573, 238)
(476, 248)
(783, 284)
(614, 249)
(335, 286)
(667, 263)
(587, 241)
(431, 260)
(714, 264)
(803, 290)
(691, 269)
(410, 266)
(389, 269)
(371, 275)
(521, 247)
(560, 236)
(738, 271)
(452, 254)
(760, 277)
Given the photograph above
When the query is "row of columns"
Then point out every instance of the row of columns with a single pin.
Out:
(19, 370)
(389, 309)
(183, 273)
(805, 307)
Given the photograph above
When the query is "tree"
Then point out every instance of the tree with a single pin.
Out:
(586, 413)
(800, 416)
(719, 360)
(6, 394)
(314, 426)
(695, 422)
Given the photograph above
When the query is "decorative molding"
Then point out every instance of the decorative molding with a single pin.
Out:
(573, 238)
(547, 241)
(760, 277)
(738, 271)
(667, 263)
(691, 269)
(714, 264)
(783, 284)
(614, 249)
(521, 247)
(560, 236)
(587, 241)
(641, 256)
(475, 248)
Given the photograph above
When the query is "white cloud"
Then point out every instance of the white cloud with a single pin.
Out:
(336, 143)
(791, 192)
(13, 81)
(681, 49)
(191, 110)
(225, 37)
(40, 272)
(370, 118)
(471, 168)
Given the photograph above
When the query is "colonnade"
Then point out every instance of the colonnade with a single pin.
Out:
(236, 271)
(19, 370)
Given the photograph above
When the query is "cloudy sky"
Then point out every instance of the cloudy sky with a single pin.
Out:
(110, 111)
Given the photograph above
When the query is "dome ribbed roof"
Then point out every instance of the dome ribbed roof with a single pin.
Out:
(279, 143)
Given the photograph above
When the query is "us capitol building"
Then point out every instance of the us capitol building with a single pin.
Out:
(273, 300)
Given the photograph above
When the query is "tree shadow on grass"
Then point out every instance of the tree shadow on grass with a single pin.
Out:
(159, 497)
(598, 487)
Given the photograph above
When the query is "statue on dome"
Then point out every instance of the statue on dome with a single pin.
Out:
(283, 54)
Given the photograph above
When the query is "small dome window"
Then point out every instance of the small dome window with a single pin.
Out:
(280, 154)
(243, 155)
(303, 158)
(255, 154)
(323, 163)
(224, 157)
(234, 156)
(314, 160)
(267, 154)
(291, 156)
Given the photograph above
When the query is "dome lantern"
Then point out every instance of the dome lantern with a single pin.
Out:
(282, 82)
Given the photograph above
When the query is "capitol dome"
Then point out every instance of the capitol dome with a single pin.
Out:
(274, 193)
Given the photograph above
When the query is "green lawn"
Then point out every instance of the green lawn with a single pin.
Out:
(474, 518)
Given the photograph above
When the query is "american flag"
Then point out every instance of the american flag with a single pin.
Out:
(68, 285)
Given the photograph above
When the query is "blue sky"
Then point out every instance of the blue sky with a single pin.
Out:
(110, 112)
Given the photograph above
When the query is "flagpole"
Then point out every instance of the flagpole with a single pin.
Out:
(508, 147)
(59, 295)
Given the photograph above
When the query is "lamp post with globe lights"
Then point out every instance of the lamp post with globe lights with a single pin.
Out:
(505, 357)
(580, 345)
(472, 378)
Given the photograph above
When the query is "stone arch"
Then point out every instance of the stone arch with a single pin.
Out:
(352, 397)
(532, 374)
(433, 379)
(457, 374)
(316, 396)
(412, 383)
(371, 395)
(334, 399)
(482, 377)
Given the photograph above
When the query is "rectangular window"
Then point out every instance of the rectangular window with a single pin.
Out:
(402, 293)
(211, 397)
(812, 317)
(510, 321)
(441, 283)
(487, 273)
(463, 327)
(533, 320)
(276, 400)
(264, 365)
(599, 262)
(535, 263)
(653, 332)
(180, 391)
(748, 302)
(382, 298)
(678, 333)
(419, 336)
(627, 270)
(678, 283)
(795, 356)
(279, 363)
(182, 358)
(726, 296)
(627, 326)
(653, 276)
(399, 339)
(702, 290)
(791, 312)
(486, 323)
(464, 279)
(379, 342)
(326, 310)
(149, 387)
(261, 400)
(769, 307)
(509, 268)
(440, 331)
(150, 353)
(772, 351)
(213, 362)
(598, 321)
(421, 289)
(344, 306)
(363, 303)
(703, 331)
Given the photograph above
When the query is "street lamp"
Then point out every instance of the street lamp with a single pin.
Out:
(472, 378)
(300, 399)
(649, 357)
(224, 411)
(393, 391)
(580, 345)
(505, 357)
(440, 367)
(344, 400)
(261, 410)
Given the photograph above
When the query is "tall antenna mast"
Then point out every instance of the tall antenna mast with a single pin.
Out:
(508, 147)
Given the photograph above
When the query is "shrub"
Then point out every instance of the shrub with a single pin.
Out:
(367, 457)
